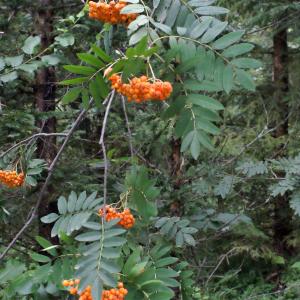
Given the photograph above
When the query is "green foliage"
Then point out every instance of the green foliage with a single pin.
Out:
(187, 283)
(177, 229)
(251, 168)
(214, 72)
(225, 186)
(141, 192)
(42, 279)
(209, 71)
(205, 222)
(72, 213)
(91, 85)
(65, 39)
(152, 276)
(97, 266)
(30, 44)
(290, 182)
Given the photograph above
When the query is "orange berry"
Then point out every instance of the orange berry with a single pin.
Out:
(65, 283)
(89, 288)
(73, 291)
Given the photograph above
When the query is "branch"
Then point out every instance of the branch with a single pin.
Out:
(128, 127)
(223, 257)
(16, 249)
(262, 134)
(102, 143)
(29, 139)
(276, 23)
(34, 211)
(151, 165)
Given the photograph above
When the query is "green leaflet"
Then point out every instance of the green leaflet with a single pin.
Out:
(73, 213)
(71, 95)
(142, 192)
(245, 79)
(228, 39)
(176, 230)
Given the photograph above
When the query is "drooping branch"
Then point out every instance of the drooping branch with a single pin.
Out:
(102, 143)
(128, 127)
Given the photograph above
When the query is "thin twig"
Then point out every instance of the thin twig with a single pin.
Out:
(262, 134)
(102, 143)
(16, 249)
(34, 211)
(218, 265)
(128, 127)
(37, 135)
(110, 99)
(151, 165)
(275, 23)
(259, 296)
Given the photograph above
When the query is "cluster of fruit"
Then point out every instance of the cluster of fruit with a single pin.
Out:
(139, 89)
(86, 294)
(110, 12)
(115, 294)
(126, 218)
(11, 178)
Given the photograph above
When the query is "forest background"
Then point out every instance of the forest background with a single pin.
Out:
(211, 175)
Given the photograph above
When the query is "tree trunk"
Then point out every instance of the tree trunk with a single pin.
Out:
(45, 100)
(281, 79)
(282, 212)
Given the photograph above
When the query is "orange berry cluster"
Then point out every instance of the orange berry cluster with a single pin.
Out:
(11, 178)
(126, 218)
(115, 294)
(140, 89)
(110, 12)
(86, 294)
